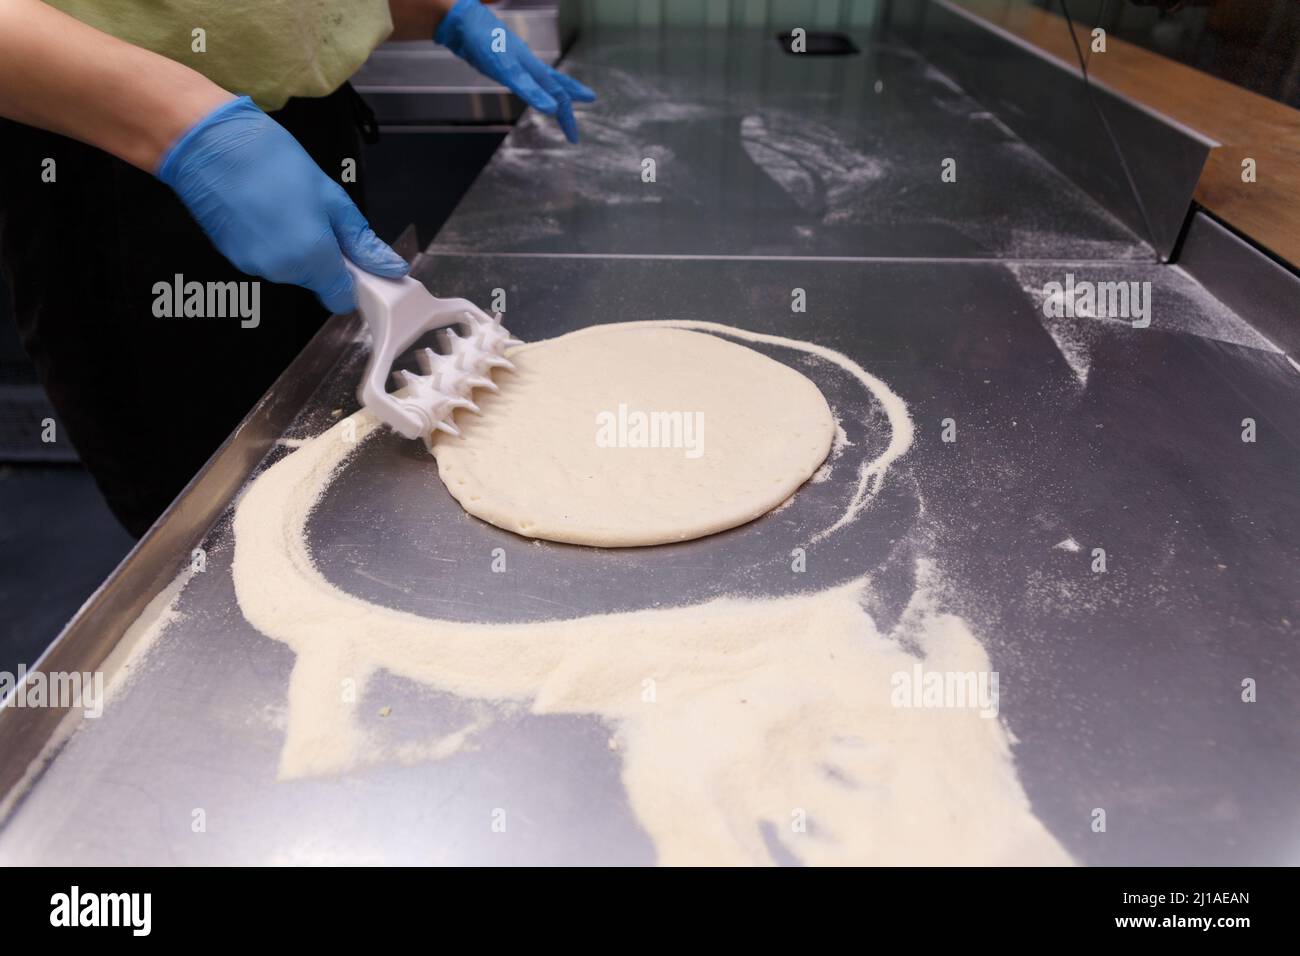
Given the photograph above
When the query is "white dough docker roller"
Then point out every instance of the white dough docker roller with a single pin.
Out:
(398, 312)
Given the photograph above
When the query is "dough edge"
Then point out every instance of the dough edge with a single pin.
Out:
(720, 520)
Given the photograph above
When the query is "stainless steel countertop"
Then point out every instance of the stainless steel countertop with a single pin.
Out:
(759, 152)
(1123, 690)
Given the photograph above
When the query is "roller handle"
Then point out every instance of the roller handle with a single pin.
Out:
(398, 312)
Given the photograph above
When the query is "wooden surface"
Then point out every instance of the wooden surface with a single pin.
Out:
(1245, 124)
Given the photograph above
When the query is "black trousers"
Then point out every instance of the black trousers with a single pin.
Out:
(145, 401)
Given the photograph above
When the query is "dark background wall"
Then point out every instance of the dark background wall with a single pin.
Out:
(1252, 43)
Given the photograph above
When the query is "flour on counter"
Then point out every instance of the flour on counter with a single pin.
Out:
(840, 443)
(119, 668)
(1179, 304)
(943, 79)
(768, 715)
(810, 162)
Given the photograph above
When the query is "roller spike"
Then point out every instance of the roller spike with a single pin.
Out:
(471, 343)
(428, 360)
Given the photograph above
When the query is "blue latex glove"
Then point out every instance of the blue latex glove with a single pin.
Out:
(269, 209)
(469, 31)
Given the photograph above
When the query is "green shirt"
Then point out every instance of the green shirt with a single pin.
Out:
(268, 49)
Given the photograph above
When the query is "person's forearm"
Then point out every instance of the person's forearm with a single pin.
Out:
(59, 74)
(417, 19)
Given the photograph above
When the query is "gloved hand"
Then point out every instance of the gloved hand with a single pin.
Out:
(269, 209)
(469, 31)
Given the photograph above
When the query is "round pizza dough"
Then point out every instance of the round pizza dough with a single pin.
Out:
(618, 436)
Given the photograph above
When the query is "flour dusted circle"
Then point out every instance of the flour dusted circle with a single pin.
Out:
(779, 681)
(625, 435)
